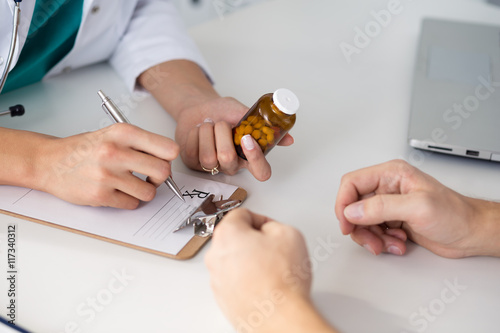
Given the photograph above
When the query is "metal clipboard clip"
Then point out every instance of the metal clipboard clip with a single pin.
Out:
(209, 213)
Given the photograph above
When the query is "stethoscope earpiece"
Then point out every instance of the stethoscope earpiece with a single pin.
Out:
(16, 110)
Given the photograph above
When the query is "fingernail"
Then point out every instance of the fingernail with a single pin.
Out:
(248, 142)
(369, 248)
(355, 211)
(394, 250)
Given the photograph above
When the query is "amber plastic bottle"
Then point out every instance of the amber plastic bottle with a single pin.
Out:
(268, 120)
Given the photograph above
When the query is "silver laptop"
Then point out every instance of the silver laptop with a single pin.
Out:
(455, 106)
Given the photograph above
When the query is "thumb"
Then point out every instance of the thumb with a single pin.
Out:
(381, 208)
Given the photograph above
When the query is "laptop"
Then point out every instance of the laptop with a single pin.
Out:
(455, 107)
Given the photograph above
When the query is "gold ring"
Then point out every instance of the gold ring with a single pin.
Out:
(213, 171)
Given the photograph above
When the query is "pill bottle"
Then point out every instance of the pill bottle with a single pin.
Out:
(268, 120)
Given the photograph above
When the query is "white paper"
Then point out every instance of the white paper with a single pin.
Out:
(151, 225)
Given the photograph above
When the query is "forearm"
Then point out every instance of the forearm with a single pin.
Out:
(19, 151)
(177, 85)
(294, 315)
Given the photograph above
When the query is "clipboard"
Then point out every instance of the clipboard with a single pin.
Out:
(189, 250)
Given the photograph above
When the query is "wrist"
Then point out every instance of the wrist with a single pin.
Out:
(295, 314)
(43, 163)
(186, 86)
(487, 231)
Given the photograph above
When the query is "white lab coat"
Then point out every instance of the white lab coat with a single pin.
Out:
(133, 35)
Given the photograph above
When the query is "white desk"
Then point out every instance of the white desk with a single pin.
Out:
(352, 115)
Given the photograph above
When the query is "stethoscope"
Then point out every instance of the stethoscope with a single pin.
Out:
(17, 110)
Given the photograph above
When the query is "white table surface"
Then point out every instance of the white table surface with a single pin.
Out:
(352, 115)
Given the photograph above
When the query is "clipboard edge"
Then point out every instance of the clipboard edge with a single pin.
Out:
(196, 243)
(187, 252)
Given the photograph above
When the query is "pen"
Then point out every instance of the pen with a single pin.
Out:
(118, 117)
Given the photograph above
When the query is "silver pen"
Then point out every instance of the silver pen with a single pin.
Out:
(118, 117)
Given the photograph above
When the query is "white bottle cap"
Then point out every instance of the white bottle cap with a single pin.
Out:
(286, 101)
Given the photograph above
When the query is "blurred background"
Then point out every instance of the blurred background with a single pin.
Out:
(199, 11)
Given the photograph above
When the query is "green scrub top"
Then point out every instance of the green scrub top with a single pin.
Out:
(51, 36)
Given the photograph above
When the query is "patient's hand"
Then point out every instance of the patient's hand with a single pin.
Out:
(382, 206)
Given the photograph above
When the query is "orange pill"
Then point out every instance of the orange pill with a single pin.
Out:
(256, 134)
(267, 130)
(237, 139)
(248, 130)
(270, 137)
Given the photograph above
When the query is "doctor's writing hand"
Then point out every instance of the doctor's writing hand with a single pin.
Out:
(260, 268)
(204, 133)
(382, 206)
(96, 168)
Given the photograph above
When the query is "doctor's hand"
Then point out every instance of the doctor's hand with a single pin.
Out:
(384, 205)
(204, 133)
(96, 168)
(204, 119)
(259, 267)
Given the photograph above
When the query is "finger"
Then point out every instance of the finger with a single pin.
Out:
(369, 240)
(284, 234)
(397, 233)
(378, 243)
(156, 182)
(382, 178)
(386, 177)
(347, 194)
(346, 227)
(280, 230)
(157, 170)
(226, 153)
(393, 245)
(135, 187)
(273, 227)
(243, 219)
(120, 200)
(287, 140)
(141, 140)
(190, 153)
(384, 229)
(382, 208)
(208, 154)
(257, 163)
(234, 229)
(376, 229)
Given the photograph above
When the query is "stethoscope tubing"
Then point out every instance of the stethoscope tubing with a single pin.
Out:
(13, 42)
